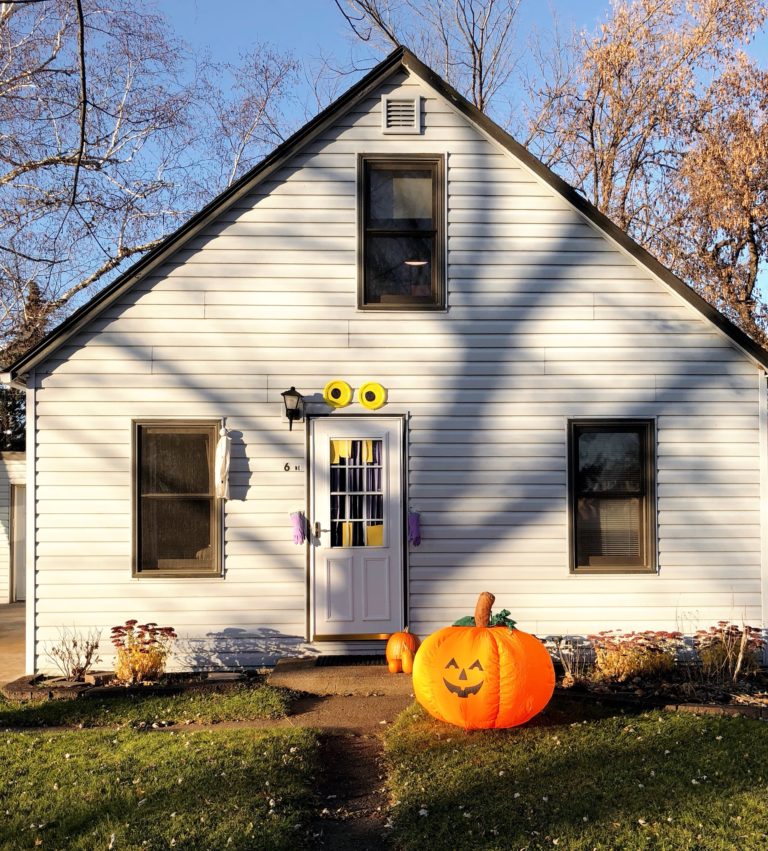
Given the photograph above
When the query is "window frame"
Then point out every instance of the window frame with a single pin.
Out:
(439, 283)
(217, 521)
(647, 431)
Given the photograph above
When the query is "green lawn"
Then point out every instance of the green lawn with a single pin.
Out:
(652, 781)
(92, 789)
(244, 703)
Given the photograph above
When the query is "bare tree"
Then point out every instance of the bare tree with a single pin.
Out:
(470, 42)
(75, 204)
(652, 119)
(720, 238)
(93, 176)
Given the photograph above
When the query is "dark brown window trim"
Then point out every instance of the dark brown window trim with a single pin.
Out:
(439, 282)
(647, 428)
(214, 572)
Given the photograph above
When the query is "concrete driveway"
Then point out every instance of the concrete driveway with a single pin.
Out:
(11, 641)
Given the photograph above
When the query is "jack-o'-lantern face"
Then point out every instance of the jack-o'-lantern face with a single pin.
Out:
(467, 683)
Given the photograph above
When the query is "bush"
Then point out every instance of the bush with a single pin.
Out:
(576, 656)
(623, 656)
(142, 651)
(727, 651)
(75, 653)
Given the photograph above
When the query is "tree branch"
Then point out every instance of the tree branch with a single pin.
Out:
(81, 60)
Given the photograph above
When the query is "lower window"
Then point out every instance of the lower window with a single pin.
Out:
(176, 513)
(612, 496)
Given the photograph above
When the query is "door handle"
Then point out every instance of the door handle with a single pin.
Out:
(318, 529)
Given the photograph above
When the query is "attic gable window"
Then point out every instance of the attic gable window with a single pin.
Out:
(177, 517)
(401, 240)
(612, 496)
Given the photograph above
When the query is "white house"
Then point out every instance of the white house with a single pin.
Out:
(580, 433)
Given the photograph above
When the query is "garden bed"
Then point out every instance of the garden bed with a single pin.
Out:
(104, 685)
(717, 667)
(684, 686)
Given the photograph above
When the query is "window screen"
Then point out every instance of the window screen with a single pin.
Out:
(176, 514)
(611, 496)
(401, 241)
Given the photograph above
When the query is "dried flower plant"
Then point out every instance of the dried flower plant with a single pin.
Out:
(75, 653)
(623, 656)
(728, 652)
(142, 651)
(577, 657)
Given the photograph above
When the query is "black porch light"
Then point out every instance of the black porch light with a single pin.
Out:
(292, 400)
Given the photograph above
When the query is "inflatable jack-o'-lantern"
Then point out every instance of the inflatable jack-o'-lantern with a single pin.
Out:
(483, 676)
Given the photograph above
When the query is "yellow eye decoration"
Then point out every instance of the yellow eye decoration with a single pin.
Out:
(337, 393)
(372, 395)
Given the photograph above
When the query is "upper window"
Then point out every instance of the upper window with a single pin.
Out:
(611, 494)
(176, 515)
(401, 233)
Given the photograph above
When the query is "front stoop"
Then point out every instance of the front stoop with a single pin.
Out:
(307, 676)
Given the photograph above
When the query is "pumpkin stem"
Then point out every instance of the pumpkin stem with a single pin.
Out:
(483, 609)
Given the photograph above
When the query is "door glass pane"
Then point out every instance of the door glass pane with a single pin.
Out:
(357, 497)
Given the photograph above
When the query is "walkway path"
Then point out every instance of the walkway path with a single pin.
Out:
(11, 641)
(351, 705)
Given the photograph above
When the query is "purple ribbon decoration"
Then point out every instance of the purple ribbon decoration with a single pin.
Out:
(414, 528)
(299, 525)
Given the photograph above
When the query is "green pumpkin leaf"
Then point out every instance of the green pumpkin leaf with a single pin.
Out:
(501, 619)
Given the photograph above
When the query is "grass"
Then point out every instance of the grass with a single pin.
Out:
(651, 781)
(243, 703)
(91, 789)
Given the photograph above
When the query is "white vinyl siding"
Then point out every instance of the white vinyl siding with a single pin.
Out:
(547, 321)
(12, 472)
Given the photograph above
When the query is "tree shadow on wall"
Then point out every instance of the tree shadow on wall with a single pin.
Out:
(237, 648)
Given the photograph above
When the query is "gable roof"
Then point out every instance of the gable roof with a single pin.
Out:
(399, 58)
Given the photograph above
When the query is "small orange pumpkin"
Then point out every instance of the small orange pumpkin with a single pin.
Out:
(480, 677)
(397, 641)
(407, 660)
(395, 666)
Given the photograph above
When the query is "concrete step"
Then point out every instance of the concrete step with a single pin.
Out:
(307, 676)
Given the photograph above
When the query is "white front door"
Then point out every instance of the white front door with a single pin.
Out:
(356, 509)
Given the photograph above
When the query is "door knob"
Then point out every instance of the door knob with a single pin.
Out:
(319, 530)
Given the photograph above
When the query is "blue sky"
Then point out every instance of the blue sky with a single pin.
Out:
(311, 27)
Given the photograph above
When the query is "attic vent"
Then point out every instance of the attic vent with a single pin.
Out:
(400, 115)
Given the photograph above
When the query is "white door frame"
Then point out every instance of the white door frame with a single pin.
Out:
(400, 420)
(18, 542)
